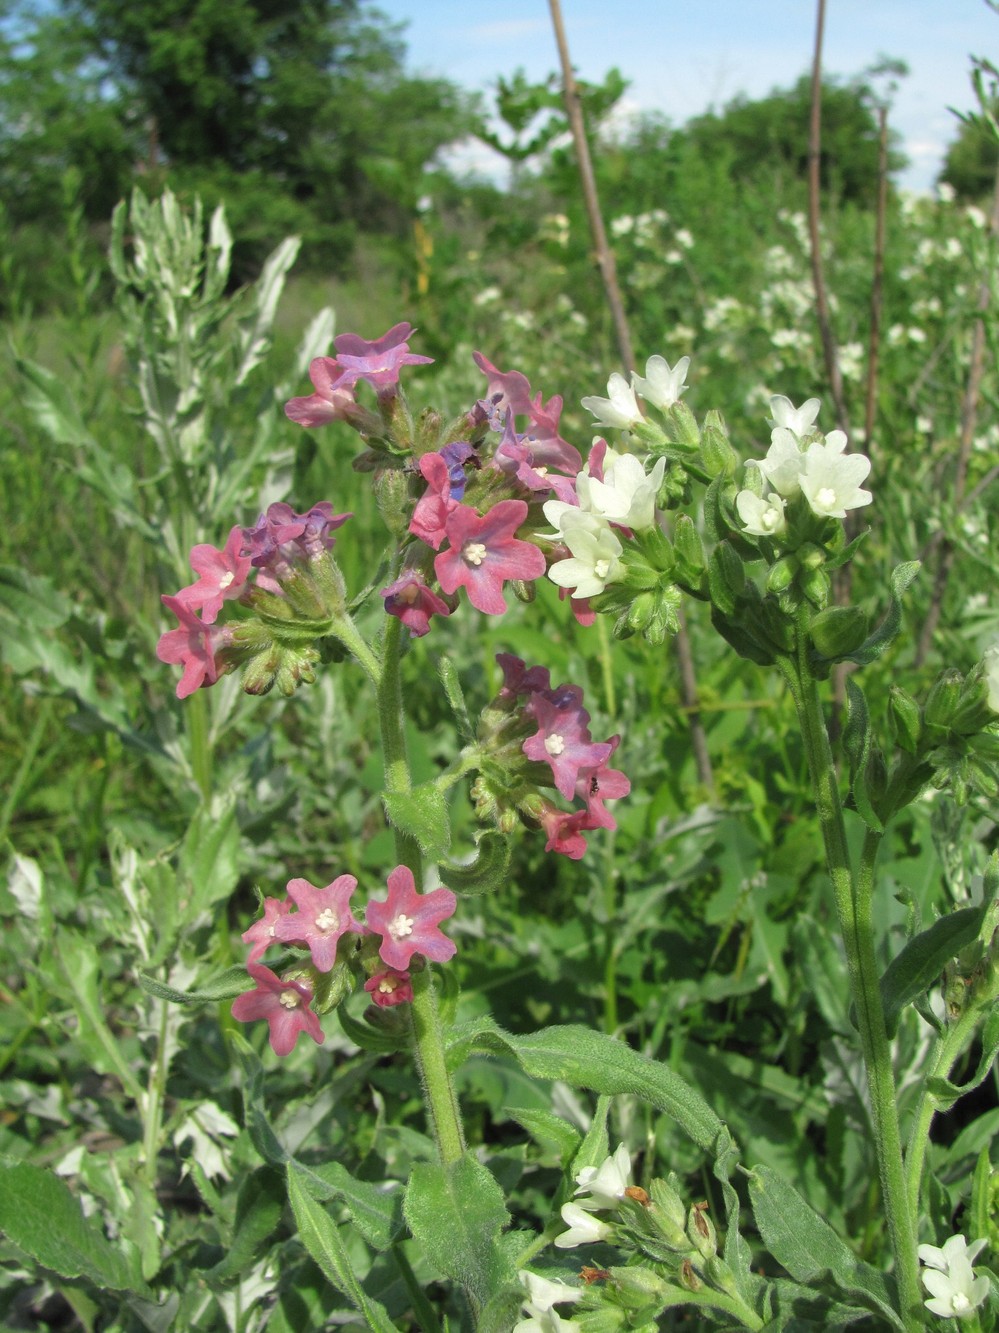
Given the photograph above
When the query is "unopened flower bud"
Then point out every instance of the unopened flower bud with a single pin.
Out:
(392, 496)
(726, 577)
(640, 612)
(905, 717)
(782, 574)
(943, 699)
(720, 459)
(639, 1286)
(681, 427)
(838, 630)
(669, 1213)
(688, 551)
(524, 591)
(816, 586)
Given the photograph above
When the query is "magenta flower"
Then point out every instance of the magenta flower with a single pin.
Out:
(600, 784)
(563, 740)
(484, 553)
(547, 447)
(323, 917)
(519, 679)
(223, 575)
(378, 362)
(389, 988)
(285, 1005)
(430, 515)
(193, 645)
(333, 399)
(510, 390)
(411, 600)
(261, 934)
(408, 922)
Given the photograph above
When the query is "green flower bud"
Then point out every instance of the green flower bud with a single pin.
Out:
(681, 427)
(688, 551)
(726, 577)
(640, 612)
(782, 574)
(943, 699)
(839, 630)
(720, 459)
(331, 988)
(905, 718)
(973, 711)
(669, 1213)
(811, 556)
(665, 619)
(639, 1287)
(391, 488)
(428, 431)
(816, 586)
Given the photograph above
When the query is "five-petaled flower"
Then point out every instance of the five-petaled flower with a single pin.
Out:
(955, 1291)
(284, 1004)
(323, 916)
(409, 922)
(484, 552)
(194, 645)
(223, 575)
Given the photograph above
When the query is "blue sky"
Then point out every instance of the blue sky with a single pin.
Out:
(683, 58)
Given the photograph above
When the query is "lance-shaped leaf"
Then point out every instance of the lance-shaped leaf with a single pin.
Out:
(912, 972)
(885, 634)
(857, 744)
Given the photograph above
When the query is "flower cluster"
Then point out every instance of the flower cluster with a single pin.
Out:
(281, 568)
(598, 1189)
(335, 378)
(320, 920)
(801, 461)
(534, 736)
(543, 1294)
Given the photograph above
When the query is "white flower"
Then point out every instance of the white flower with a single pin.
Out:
(584, 1228)
(684, 238)
(946, 193)
(992, 675)
(830, 479)
(626, 495)
(783, 463)
(595, 555)
(949, 1278)
(543, 1292)
(663, 384)
(606, 1183)
(620, 409)
(800, 420)
(762, 518)
(548, 1321)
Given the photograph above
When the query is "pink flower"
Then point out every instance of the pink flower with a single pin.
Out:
(223, 575)
(194, 645)
(547, 447)
(565, 830)
(323, 917)
(390, 987)
(600, 784)
(510, 390)
(378, 362)
(332, 400)
(285, 1005)
(563, 738)
(430, 515)
(411, 600)
(261, 934)
(408, 922)
(484, 553)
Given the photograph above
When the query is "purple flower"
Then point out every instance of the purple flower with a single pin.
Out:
(193, 645)
(411, 600)
(408, 922)
(547, 447)
(506, 390)
(600, 784)
(563, 740)
(378, 362)
(285, 1005)
(389, 988)
(323, 917)
(484, 553)
(333, 399)
(565, 830)
(223, 575)
(281, 537)
(519, 679)
(456, 455)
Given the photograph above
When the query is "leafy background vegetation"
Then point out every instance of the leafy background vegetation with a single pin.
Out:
(699, 931)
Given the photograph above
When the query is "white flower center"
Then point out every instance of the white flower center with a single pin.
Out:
(554, 744)
(401, 927)
(290, 999)
(959, 1301)
(225, 580)
(387, 985)
(770, 518)
(327, 920)
(601, 569)
(474, 553)
(826, 497)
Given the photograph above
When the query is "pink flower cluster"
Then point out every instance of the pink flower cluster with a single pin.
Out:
(333, 378)
(280, 540)
(562, 741)
(407, 923)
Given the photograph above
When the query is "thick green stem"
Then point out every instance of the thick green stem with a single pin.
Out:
(428, 1037)
(196, 714)
(853, 909)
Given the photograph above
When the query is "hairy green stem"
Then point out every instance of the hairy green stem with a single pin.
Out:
(428, 1037)
(853, 900)
(196, 714)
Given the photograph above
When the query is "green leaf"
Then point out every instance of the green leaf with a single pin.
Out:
(209, 858)
(379, 1040)
(977, 1219)
(259, 1207)
(912, 972)
(857, 744)
(487, 872)
(266, 1142)
(81, 965)
(588, 1059)
(224, 986)
(456, 698)
(885, 634)
(422, 814)
(806, 1245)
(946, 1093)
(321, 1237)
(547, 1128)
(376, 1212)
(42, 1217)
(456, 1213)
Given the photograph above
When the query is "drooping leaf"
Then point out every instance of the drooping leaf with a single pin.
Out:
(224, 986)
(919, 965)
(259, 1207)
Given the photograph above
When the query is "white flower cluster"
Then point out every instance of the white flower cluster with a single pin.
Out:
(955, 1291)
(801, 459)
(662, 386)
(605, 1186)
(625, 497)
(992, 675)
